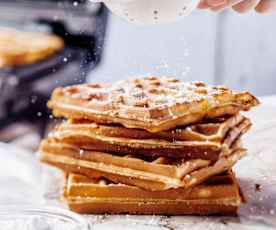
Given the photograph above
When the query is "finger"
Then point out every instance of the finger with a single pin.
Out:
(229, 3)
(245, 6)
(266, 6)
(203, 4)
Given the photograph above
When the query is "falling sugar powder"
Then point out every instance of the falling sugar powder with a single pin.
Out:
(33, 99)
(81, 152)
(186, 53)
(186, 70)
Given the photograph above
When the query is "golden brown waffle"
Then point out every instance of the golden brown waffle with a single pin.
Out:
(151, 174)
(218, 195)
(200, 141)
(21, 48)
(150, 103)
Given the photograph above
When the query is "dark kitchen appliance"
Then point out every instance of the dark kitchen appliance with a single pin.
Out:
(24, 90)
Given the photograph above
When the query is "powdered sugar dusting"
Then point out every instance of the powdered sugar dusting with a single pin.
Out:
(35, 223)
(146, 92)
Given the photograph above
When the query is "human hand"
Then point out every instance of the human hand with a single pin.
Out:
(241, 6)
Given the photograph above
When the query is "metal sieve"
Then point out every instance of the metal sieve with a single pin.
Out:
(150, 11)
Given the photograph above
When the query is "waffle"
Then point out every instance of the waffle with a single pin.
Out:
(21, 48)
(149, 173)
(150, 103)
(218, 195)
(201, 141)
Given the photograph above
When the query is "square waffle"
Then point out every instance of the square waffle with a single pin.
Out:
(218, 195)
(150, 103)
(22, 48)
(205, 140)
(155, 173)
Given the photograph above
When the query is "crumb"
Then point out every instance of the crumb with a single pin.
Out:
(258, 187)
(224, 222)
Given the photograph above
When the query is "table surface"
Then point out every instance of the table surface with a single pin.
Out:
(259, 167)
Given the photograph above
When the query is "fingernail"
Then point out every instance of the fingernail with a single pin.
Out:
(216, 2)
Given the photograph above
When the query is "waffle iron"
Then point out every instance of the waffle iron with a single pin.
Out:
(24, 90)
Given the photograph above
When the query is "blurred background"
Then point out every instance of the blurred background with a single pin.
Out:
(225, 48)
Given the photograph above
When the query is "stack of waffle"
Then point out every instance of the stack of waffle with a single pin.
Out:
(149, 146)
